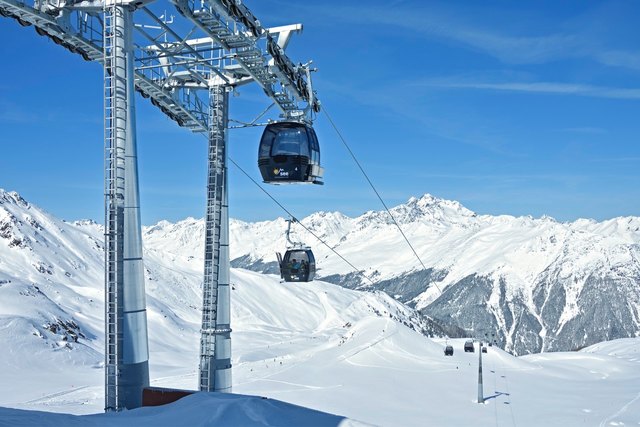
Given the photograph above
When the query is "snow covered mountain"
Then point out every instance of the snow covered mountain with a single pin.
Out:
(536, 284)
(360, 355)
(52, 303)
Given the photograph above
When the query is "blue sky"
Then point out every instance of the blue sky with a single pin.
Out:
(521, 108)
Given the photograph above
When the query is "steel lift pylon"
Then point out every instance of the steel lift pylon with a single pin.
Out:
(215, 340)
(188, 77)
(126, 342)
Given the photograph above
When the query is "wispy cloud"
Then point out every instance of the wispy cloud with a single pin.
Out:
(450, 24)
(509, 49)
(12, 112)
(536, 87)
(584, 130)
(431, 125)
(438, 23)
(617, 58)
(630, 159)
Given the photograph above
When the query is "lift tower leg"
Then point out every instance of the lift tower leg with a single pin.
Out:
(126, 343)
(215, 341)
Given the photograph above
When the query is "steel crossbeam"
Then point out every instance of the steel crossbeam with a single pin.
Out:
(236, 53)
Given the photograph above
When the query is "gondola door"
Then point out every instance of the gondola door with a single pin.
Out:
(280, 264)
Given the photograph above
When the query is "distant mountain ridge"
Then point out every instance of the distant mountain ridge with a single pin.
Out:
(531, 284)
(535, 284)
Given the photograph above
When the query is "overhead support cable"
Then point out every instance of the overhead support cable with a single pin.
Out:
(344, 142)
(254, 122)
(288, 212)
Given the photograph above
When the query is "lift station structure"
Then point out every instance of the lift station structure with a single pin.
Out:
(186, 65)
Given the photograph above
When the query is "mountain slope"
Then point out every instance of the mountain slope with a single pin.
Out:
(52, 306)
(535, 284)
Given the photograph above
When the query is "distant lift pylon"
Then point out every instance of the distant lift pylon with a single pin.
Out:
(298, 263)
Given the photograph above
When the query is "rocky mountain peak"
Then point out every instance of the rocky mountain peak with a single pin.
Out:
(12, 197)
(431, 209)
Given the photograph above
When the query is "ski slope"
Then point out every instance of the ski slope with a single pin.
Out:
(323, 347)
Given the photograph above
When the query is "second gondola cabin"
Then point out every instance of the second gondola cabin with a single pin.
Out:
(297, 265)
(289, 153)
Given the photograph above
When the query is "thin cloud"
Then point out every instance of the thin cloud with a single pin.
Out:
(584, 130)
(617, 58)
(447, 24)
(539, 87)
(12, 113)
(617, 159)
(510, 49)
(385, 99)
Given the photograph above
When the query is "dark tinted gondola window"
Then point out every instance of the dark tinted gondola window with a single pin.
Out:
(291, 141)
(311, 258)
(266, 142)
(315, 147)
(298, 256)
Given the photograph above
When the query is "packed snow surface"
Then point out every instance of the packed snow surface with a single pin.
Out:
(198, 410)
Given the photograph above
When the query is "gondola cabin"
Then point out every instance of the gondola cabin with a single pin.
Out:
(289, 153)
(297, 265)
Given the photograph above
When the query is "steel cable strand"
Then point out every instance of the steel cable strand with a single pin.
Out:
(344, 142)
(288, 212)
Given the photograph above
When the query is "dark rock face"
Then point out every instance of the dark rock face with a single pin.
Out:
(408, 286)
(606, 308)
(68, 330)
(260, 266)
(465, 305)
(549, 298)
(403, 288)
(350, 281)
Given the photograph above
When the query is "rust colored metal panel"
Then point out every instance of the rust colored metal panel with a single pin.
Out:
(156, 396)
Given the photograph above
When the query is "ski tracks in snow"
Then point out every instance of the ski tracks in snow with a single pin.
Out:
(57, 394)
(502, 372)
(330, 313)
(609, 420)
(73, 396)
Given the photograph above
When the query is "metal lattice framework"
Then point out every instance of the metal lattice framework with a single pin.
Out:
(223, 40)
(185, 65)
